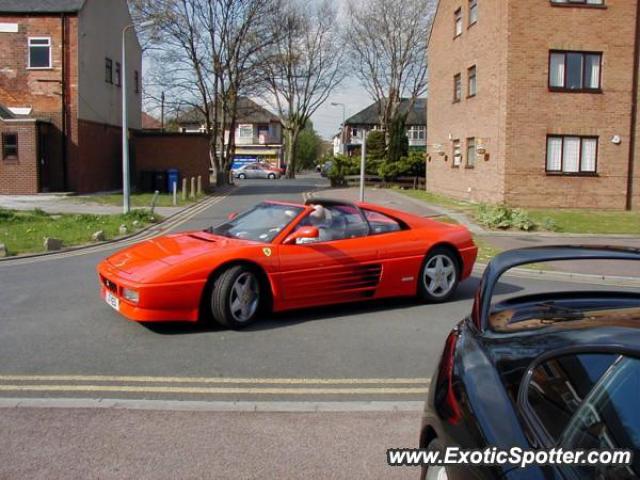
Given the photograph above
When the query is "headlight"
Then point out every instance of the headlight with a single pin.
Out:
(131, 295)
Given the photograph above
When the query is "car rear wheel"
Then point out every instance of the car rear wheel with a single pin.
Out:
(236, 297)
(242, 176)
(439, 276)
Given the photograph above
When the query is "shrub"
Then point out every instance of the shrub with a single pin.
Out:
(504, 218)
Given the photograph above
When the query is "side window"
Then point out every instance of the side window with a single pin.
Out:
(609, 418)
(381, 223)
(559, 386)
(337, 222)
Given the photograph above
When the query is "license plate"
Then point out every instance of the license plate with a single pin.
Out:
(112, 300)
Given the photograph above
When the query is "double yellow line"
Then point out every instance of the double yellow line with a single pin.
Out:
(213, 385)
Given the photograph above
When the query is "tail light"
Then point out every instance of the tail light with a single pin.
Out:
(445, 400)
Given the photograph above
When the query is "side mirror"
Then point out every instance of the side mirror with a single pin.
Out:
(307, 233)
(232, 216)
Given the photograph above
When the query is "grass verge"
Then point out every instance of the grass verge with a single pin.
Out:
(603, 222)
(138, 200)
(24, 232)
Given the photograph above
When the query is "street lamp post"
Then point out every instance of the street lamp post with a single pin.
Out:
(344, 115)
(126, 183)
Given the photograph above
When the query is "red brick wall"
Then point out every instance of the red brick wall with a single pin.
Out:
(20, 176)
(95, 158)
(42, 89)
(189, 153)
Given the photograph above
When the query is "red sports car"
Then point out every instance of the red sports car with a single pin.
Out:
(280, 256)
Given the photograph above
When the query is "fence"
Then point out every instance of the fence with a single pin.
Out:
(373, 180)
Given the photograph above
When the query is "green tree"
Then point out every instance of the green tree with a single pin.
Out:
(398, 141)
(376, 146)
(309, 148)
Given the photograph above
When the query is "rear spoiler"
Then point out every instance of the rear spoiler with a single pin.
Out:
(514, 258)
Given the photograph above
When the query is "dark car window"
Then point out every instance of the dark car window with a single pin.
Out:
(381, 223)
(339, 222)
(609, 418)
(559, 385)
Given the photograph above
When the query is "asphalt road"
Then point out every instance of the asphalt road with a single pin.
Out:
(54, 323)
(59, 341)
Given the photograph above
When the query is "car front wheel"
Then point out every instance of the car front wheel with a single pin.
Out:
(272, 176)
(439, 276)
(242, 176)
(236, 297)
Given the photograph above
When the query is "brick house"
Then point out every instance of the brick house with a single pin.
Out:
(258, 134)
(356, 126)
(60, 94)
(533, 103)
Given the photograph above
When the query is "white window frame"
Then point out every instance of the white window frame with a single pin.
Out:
(458, 22)
(456, 147)
(580, 155)
(48, 45)
(473, 12)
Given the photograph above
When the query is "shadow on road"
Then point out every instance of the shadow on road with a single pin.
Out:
(465, 292)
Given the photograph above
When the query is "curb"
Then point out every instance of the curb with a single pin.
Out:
(140, 233)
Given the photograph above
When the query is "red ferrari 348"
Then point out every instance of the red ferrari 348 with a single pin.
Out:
(280, 256)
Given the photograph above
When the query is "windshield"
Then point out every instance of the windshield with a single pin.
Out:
(262, 223)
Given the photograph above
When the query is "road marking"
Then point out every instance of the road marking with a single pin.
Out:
(214, 380)
(216, 390)
(216, 406)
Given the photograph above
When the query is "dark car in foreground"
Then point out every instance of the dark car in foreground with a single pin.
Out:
(540, 371)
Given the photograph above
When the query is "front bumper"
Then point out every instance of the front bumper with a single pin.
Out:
(166, 302)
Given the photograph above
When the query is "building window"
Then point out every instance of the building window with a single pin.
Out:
(416, 132)
(457, 87)
(136, 81)
(118, 74)
(457, 153)
(471, 152)
(354, 132)
(108, 70)
(473, 12)
(457, 19)
(568, 154)
(10, 146)
(578, 2)
(245, 131)
(40, 52)
(575, 71)
(473, 82)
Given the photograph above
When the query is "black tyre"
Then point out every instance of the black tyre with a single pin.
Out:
(439, 276)
(242, 176)
(435, 472)
(272, 176)
(236, 297)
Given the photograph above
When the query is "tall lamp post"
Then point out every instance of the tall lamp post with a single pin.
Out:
(344, 115)
(126, 186)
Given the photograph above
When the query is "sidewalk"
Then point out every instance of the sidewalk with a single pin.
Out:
(60, 443)
(62, 204)
(507, 240)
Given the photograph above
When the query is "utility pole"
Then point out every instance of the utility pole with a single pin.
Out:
(363, 161)
(126, 183)
(162, 113)
(344, 119)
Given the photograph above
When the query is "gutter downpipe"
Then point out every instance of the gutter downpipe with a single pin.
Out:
(634, 111)
(63, 20)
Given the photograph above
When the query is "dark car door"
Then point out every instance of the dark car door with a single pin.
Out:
(587, 401)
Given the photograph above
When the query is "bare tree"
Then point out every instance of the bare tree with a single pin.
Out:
(207, 54)
(388, 42)
(303, 67)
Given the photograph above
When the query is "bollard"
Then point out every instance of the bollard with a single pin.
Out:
(175, 193)
(154, 200)
(199, 185)
(193, 188)
(184, 189)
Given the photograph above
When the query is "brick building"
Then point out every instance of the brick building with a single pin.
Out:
(60, 94)
(533, 103)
